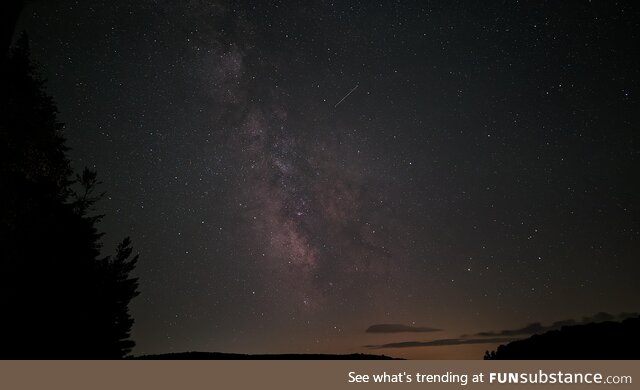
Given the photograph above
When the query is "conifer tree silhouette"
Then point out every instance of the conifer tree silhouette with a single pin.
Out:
(58, 297)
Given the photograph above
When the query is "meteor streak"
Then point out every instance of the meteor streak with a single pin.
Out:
(346, 96)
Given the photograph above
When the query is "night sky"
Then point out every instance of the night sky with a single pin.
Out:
(293, 173)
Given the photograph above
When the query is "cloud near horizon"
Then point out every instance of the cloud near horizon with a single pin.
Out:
(399, 328)
(442, 342)
(537, 327)
(493, 337)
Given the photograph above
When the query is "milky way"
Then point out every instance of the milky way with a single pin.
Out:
(295, 174)
(305, 202)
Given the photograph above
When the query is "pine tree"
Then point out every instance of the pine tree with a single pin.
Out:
(58, 297)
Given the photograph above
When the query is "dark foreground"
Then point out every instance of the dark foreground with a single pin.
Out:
(596, 341)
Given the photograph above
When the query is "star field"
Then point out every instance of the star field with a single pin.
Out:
(481, 176)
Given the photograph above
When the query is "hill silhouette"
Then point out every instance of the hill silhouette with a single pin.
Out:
(239, 356)
(604, 340)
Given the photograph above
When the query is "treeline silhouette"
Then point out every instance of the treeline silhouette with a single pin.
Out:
(240, 356)
(59, 298)
(602, 340)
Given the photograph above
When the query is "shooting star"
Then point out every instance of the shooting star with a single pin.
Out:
(346, 96)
